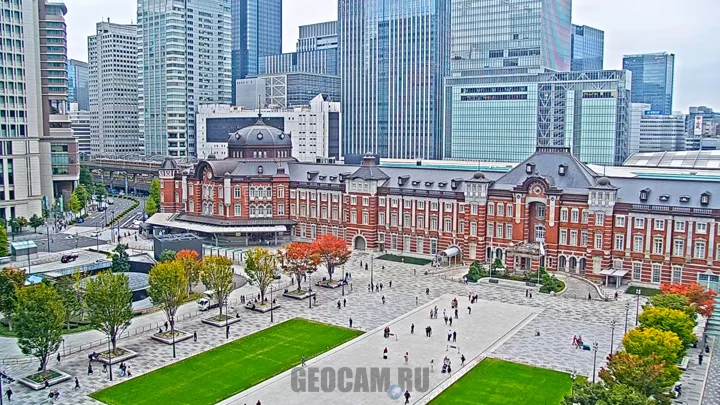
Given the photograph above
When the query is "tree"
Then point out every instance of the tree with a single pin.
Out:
(217, 275)
(670, 320)
(155, 191)
(74, 205)
(4, 244)
(100, 191)
(190, 262)
(17, 224)
(86, 178)
(586, 393)
(65, 288)
(151, 207)
(167, 255)
(648, 375)
(644, 342)
(109, 304)
(674, 301)
(298, 260)
(168, 288)
(120, 259)
(39, 321)
(77, 279)
(260, 268)
(11, 281)
(36, 222)
(332, 251)
(702, 297)
(83, 194)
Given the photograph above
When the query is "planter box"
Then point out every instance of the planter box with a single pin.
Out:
(180, 336)
(262, 308)
(57, 378)
(128, 354)
(295, 296)
(220, 323)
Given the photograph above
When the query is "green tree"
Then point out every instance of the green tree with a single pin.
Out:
(217, 275)
(11, 281)
(193, 268)
(109, 304)
(65, 288)
(39, 320)
(671, 320)
(674, 301)
(643, 342)
(167, 255)
(586, 393)
(100, 191)
(168, 288)
(86, 178)
(4, 244)
(648, 375)
(260, 268)
(120, 259)
(155, 191)
(36, 222)
(83, 194)
(151, 207)
(74, 205)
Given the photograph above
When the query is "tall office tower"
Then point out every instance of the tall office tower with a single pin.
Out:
(504, 36)
(256, 33)
(184, 61)
(588, 46)
(112, 53)
(702, 129)
(80, 122)
(61, 171)
(652, 132)
(21, 118)
(78, 76)
(393, 59)
(652, 79)
(317, 52)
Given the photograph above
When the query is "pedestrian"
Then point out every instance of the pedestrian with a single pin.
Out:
(412, 329)
(166, 326)
(8, 394)
(77, 384)
(381, 286)
(361, 264)
(195, 336)
(427, 291)
(383, 299)
(450, 320)
(90, 370)
(416, 301)
(366, 267)
(700, 359)
(616, 295)
(390, 284)
(104, 367)
(432, 365)
(456, 313)
(338, 304)
(574, 341)
(385, 353)
(58, 357)
(455, 336)
(406, 357)
(46, 382)
(258, 402)
(350, 323)
(302, 361)
(344, 302)
(446, 319)
(530, 294)
(469, 310)
(449, 334)
(414, 272)
(431, 314)
(444, 314)
(127, 370)
(527, 292)
(407, 397)
(462, 359)
(589, 296)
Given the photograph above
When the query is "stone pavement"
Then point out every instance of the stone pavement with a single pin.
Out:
(561, 318)
(712, 389)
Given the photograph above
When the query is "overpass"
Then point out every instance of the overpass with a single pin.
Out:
(129, 172)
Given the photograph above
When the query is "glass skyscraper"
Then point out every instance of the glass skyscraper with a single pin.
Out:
(588, 45)
(317, 52)
(256, 33)
(652, 79)
(394, 55)
(78, 77)
(502, 35)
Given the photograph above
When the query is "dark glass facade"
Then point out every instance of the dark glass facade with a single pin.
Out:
(652, 79)
(588, 46)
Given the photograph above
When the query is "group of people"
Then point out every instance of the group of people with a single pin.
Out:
(578, 342)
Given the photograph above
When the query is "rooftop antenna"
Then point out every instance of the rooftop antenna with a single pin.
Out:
(259, 109)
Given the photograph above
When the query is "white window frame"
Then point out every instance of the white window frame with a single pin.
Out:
(620, 221)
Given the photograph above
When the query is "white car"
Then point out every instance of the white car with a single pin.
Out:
(96, 234)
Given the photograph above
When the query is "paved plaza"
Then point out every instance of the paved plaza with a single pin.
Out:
(556, 320)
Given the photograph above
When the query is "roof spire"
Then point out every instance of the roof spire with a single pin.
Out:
(259, 109)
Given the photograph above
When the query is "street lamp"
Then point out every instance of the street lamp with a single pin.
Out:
(112, 226)
(595, 348)
(372, 268)
(573, 377)
(344, 280)
(637, 305)
(309, 289)
(271, 303)
(612, 336)
(110, 353)
(627, 310)
(172, 331)
(47, 225)
(227, 314)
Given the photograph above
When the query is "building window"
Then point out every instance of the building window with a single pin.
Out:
(563, 215)
(281, 209)
(678, 247)
(636, 271)
(620, 221)
(433, 223)
(491, 208)
(680, 226)
(563, 237)
(599, 218)
(539, 233)
(433, 246)
(676, 275)
(699, 249)
(585, 216)
(473, 228)
(540, 212)
(448, 225)
(407, 204)
(419, 244)
(365, 218)
(660, 224)
(281, 192)
(394, 202)
(421, 205)
(619, 242)
(637, 243)
(448, 207)
(473, 209)
(237, 192)
(238, 211)
(490, 229)
(366, 201)
(406, 243)
(461, 227)
(598, 241)
(353, 200)
(381, 218)
(313, 231)
(335, 215)
(575, 215)
(657, 246)
(323, 212)
(508, 231)
(584, 238)
(508, 211)
(656, 272)
(573, 238)
(393, 219)
(381, 237)
(353, 217)
(420, 222)
(381, 201)
(499, 231)
(500, 210)
(701, 227)
(406, 220)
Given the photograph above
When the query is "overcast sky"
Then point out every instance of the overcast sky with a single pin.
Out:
(689, 30)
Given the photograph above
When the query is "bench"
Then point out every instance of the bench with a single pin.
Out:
(392, 334)
(684, 363)
(453, 347)
(493, 281)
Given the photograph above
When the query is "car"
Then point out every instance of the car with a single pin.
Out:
(68, 237)
(96, 234)
(110, 201)
(69, 258)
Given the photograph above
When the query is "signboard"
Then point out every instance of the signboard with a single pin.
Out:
(652, 112)
(698, 125)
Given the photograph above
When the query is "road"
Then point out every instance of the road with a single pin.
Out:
(99, 219)
(84, 257)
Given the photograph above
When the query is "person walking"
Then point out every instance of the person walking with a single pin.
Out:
(77, 384)
(383, 300)
(416, 301)
(195, 336)
(302, 361)
(527, 292)
(450, 320)
(385, 353)
(407, 397)
(456, 313)
(90, 370)
(462, 359)
(406, 357)
(469, 310)
(700, 359)
(412, 329)
(390, 284)
(8, 394)
(455, 336)
(449, 334)
(344, 302)
(432, 365)
(58, 357)
(589, 296)
(350, 323)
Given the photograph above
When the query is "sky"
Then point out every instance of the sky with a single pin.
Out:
(687, 29)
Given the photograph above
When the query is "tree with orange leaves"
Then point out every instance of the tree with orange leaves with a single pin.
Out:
(299, 259)
(191, 264)
(702, 297)
(332, 251)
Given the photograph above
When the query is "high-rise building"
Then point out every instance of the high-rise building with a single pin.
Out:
(78, 76)
(182, 65)
(80, 122)
(317, 52)
(702, 129)
(393, 59)
(256, 33)
(653, 132)
(588, 47)
(61, 171)
(21, 115)
(503, 36)
(504, 118)
(112, 53)
(652, 79)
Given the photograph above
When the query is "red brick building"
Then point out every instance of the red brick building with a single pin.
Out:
(631, 228)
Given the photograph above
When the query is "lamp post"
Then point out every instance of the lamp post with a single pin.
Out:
(344, 280)
(372, 268)
(627, 311)
(612, 336)
(110, 353)
(573, 377)
(47, 226)
(271, 304)
(637, 305)
(112, 227)
(595, 349)
(172, 331)
(227, 315)
(309, 289)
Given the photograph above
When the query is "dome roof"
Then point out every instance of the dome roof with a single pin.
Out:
(478, 175)
(259, 135)
(603, 181)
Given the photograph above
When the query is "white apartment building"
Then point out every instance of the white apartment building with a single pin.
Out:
(653, 132)
(314, 130)
(112, 54)
(184, 60)
(80, 123)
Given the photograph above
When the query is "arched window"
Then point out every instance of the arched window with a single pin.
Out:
(583, 265)
(488, 254)
(252, 211)
(499, 254)
(573, 263)
(562, 262)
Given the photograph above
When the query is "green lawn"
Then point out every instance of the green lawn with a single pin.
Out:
(405, 259)
(500, 382)
(644, 291)
(212, 376)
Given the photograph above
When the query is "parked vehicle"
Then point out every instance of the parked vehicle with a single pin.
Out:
(208, 301)
(110, 201)
(69, 258)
